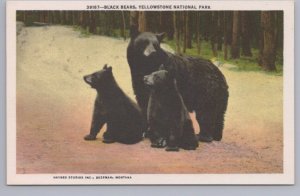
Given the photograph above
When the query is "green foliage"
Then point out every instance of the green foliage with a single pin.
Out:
(242, 64)
(114, 33)
(83, 32)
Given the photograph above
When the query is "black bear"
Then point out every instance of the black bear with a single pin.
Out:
(169, 121)
(201, 84)
(112, 106)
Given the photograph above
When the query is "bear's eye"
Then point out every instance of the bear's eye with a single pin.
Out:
(141, 44)
(144, 45)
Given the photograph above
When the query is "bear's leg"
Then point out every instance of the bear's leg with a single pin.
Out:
(218, 132)
(108, 136)
(189, 140)
(220, 109)
(219, 123)
(206, 121)
(157, 137)
(172, 143)
(99, 119)
(142, 99)
(158, 141)
(175, 132)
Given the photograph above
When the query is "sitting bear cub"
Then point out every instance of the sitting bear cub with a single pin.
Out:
(112, 106)
(169, 121)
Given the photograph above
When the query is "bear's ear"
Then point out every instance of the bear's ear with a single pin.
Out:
(160, 36)
(109, 68)
(105, 66)
(162, 67)
(134, 32)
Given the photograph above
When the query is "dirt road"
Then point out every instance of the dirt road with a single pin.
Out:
(54, 108)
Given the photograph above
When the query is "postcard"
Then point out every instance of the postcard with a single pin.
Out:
(150, 92)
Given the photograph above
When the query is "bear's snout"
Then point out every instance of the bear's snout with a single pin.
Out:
(149, 50)
(87, 79)
(146, 79)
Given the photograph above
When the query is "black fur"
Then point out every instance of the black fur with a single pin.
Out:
(201, 84)
(167, 115)
(112, 106)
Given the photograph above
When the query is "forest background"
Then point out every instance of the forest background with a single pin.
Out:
(251, 40)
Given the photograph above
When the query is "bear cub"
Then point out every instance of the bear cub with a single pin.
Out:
(168, 118)
(113, 107)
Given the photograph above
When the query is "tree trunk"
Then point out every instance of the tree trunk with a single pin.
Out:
(261, 41)
(52, 14)
(85, 22)
(62, 17)
(246, 50)
(198, 37)
(168, 24)
(106, 23)
(24, 17)
(188, 30)
(46, 16)
(123, 30)
(143, 21)
(235, 48)
(276, 26)
(57, 17)
(67, 18)
(184, 19)
(134, 18)
(74, 18)
(98, 22)
(50, 18)
(181, 28)
(219, 31)
(81, 18)
(42, 16)
(225, 21)
(213, 38)
(269, 52)
(176, 19)
(133, 22)
(92, 25)
(161, 22)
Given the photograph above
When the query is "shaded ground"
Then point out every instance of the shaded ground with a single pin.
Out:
(54, 108)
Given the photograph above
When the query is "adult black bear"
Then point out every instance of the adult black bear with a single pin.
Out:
(201, 84)
(169, 121)
(112, 106)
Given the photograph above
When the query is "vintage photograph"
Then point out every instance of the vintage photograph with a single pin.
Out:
(107, 92)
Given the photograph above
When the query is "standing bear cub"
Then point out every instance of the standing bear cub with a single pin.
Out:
(168, 118)
(201, 84)
(114, 107)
